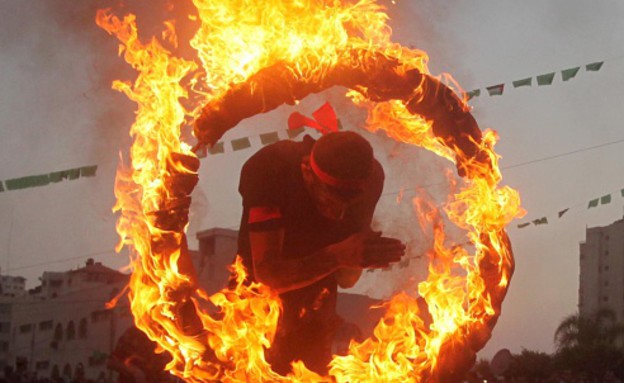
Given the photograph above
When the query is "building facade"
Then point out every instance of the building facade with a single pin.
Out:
(601, 279)
(12, 286)
(63, 328)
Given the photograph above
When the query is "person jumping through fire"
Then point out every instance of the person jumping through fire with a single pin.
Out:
(306, 229)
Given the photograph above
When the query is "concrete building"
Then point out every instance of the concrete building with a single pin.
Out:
(601, 280)
(12, 286)
(6, 308)
(62, 327)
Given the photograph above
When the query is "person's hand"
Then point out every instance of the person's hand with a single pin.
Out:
(368, 249)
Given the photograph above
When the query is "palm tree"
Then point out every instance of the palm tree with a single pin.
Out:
(590, 343)
(599, 329)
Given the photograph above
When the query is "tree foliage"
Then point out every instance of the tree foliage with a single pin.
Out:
(590, 344)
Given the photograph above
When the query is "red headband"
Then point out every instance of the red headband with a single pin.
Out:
(333, 181)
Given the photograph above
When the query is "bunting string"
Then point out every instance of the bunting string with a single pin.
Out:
(540, 80)
(605, 199)
(47, 179)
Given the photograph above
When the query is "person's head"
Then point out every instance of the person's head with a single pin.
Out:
(336, 171)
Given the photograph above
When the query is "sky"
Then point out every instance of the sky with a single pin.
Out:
(57, 112)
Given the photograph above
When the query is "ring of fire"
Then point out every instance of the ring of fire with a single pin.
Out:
(464, 291)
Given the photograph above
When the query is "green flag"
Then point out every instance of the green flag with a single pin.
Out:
(622, 191)
(569, 73)
(593, 203)
(523, 82)
(605, 199)
(56, 176)
(241, 143)
(1, 186)
(269, 138)
(540, 221)
(217, 148)
(88, 171)
(27, 182)
(292, 133)
(562, 212)
(495, 90)
(523, 225)
(473, 93)
(73, 174)
(545, 79)
(593, 67)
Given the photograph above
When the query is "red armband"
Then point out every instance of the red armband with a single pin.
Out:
(263, 214)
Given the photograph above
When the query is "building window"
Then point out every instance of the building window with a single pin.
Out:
(25, 328)
(45, 325)
(58, 333)
(605, 299)
(4, 346)
(5, 327)
(71, 330)
(82, 329)
(606, 283)
(100, 315)
(5, 308)
(606, 268)
(42, 365)
(606, 252)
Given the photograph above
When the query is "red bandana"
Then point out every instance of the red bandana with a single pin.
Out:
(332, 181)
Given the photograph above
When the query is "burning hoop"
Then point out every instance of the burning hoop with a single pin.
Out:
(463, 292)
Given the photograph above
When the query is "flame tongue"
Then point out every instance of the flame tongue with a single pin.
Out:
(255, 56)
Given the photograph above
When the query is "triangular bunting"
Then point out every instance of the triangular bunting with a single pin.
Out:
(241, 143)
(293, 133)
(523, 225)
(605, 199)
(217, 148)
(27, 182)
(496, 90)
(562, 212)
(523, 82)
(569, 73)
(269, 138)
(73, 174)
(593, 203)
(540, 221)
(622, 191)
(593, 67)
(473, 93)
(56, 176)
(545, 79)
(1, 186)
(88, 171)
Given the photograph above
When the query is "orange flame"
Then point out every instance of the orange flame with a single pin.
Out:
(237, 39)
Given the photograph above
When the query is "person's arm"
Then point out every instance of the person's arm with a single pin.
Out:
(361, 250)
(347, 277)
(281, 274)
